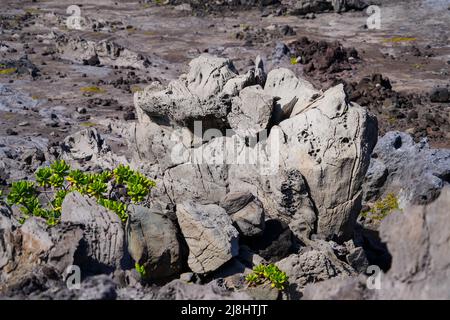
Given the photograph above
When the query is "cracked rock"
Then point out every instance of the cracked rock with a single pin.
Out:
(209, 233)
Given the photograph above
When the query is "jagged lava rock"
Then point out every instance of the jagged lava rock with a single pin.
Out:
(414, 172)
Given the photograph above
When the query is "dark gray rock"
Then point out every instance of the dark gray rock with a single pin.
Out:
(415, 172)
(246, 212)
(235, 201)
(153, 242)
(417, 239)
(180, 290)
(440, 95)
(249, 221)
(311, 266)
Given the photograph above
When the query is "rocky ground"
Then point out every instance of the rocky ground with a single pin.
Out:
(360, 117)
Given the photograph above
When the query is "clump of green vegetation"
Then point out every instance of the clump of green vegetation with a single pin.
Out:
(267, 273)
(57, 180)
(141, 270)
(400, 39)
(294, 60)
(92, 89)
(88, 124)
(382, 208)
(135, 89)
(8, 71)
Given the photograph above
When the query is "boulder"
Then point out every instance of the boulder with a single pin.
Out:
(153, 242)
(417, 239)
(34, 256)
(204, 183)
(8, 243)
(309, 170)
(160, 145)
(251, 111)
(350, 288)
(235, 201)
(103, 52)
(311, 266)
(180, 290)
(103, 236)
(414, 172)
(88, 146)
(330, 144)
(295, 93)
(246, 212)
(209, 233)
(249, 220)
(99, 287)
(194, 96)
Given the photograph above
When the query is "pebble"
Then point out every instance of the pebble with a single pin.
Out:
(11, 132)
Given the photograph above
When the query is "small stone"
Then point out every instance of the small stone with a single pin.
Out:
(129, 115)
(11, 132)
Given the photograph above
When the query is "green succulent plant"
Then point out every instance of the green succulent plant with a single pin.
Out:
(122, 174)
(97, 188)
(63, 180)
(60, 168)
(140, 269)
(267, 273)
(77, 179)
(56, 181)
(118, 207)
(43, 176)
(137, 192)
(21, 192)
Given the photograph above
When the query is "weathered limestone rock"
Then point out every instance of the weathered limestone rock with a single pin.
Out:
(209, 233)
(204, 183)
(103, 52)
(310, 267)
(251, 111)
(418, 240)
(194, 96)
(88, 146)
(7, 237)
(295, 94)
(180, 290)
(103, 231)
(330, 144)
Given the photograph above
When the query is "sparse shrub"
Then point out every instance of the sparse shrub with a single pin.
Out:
(382, 208)
(58, 180)
(8, 71)
(141, 270)
(92, 89)
(267, 273)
